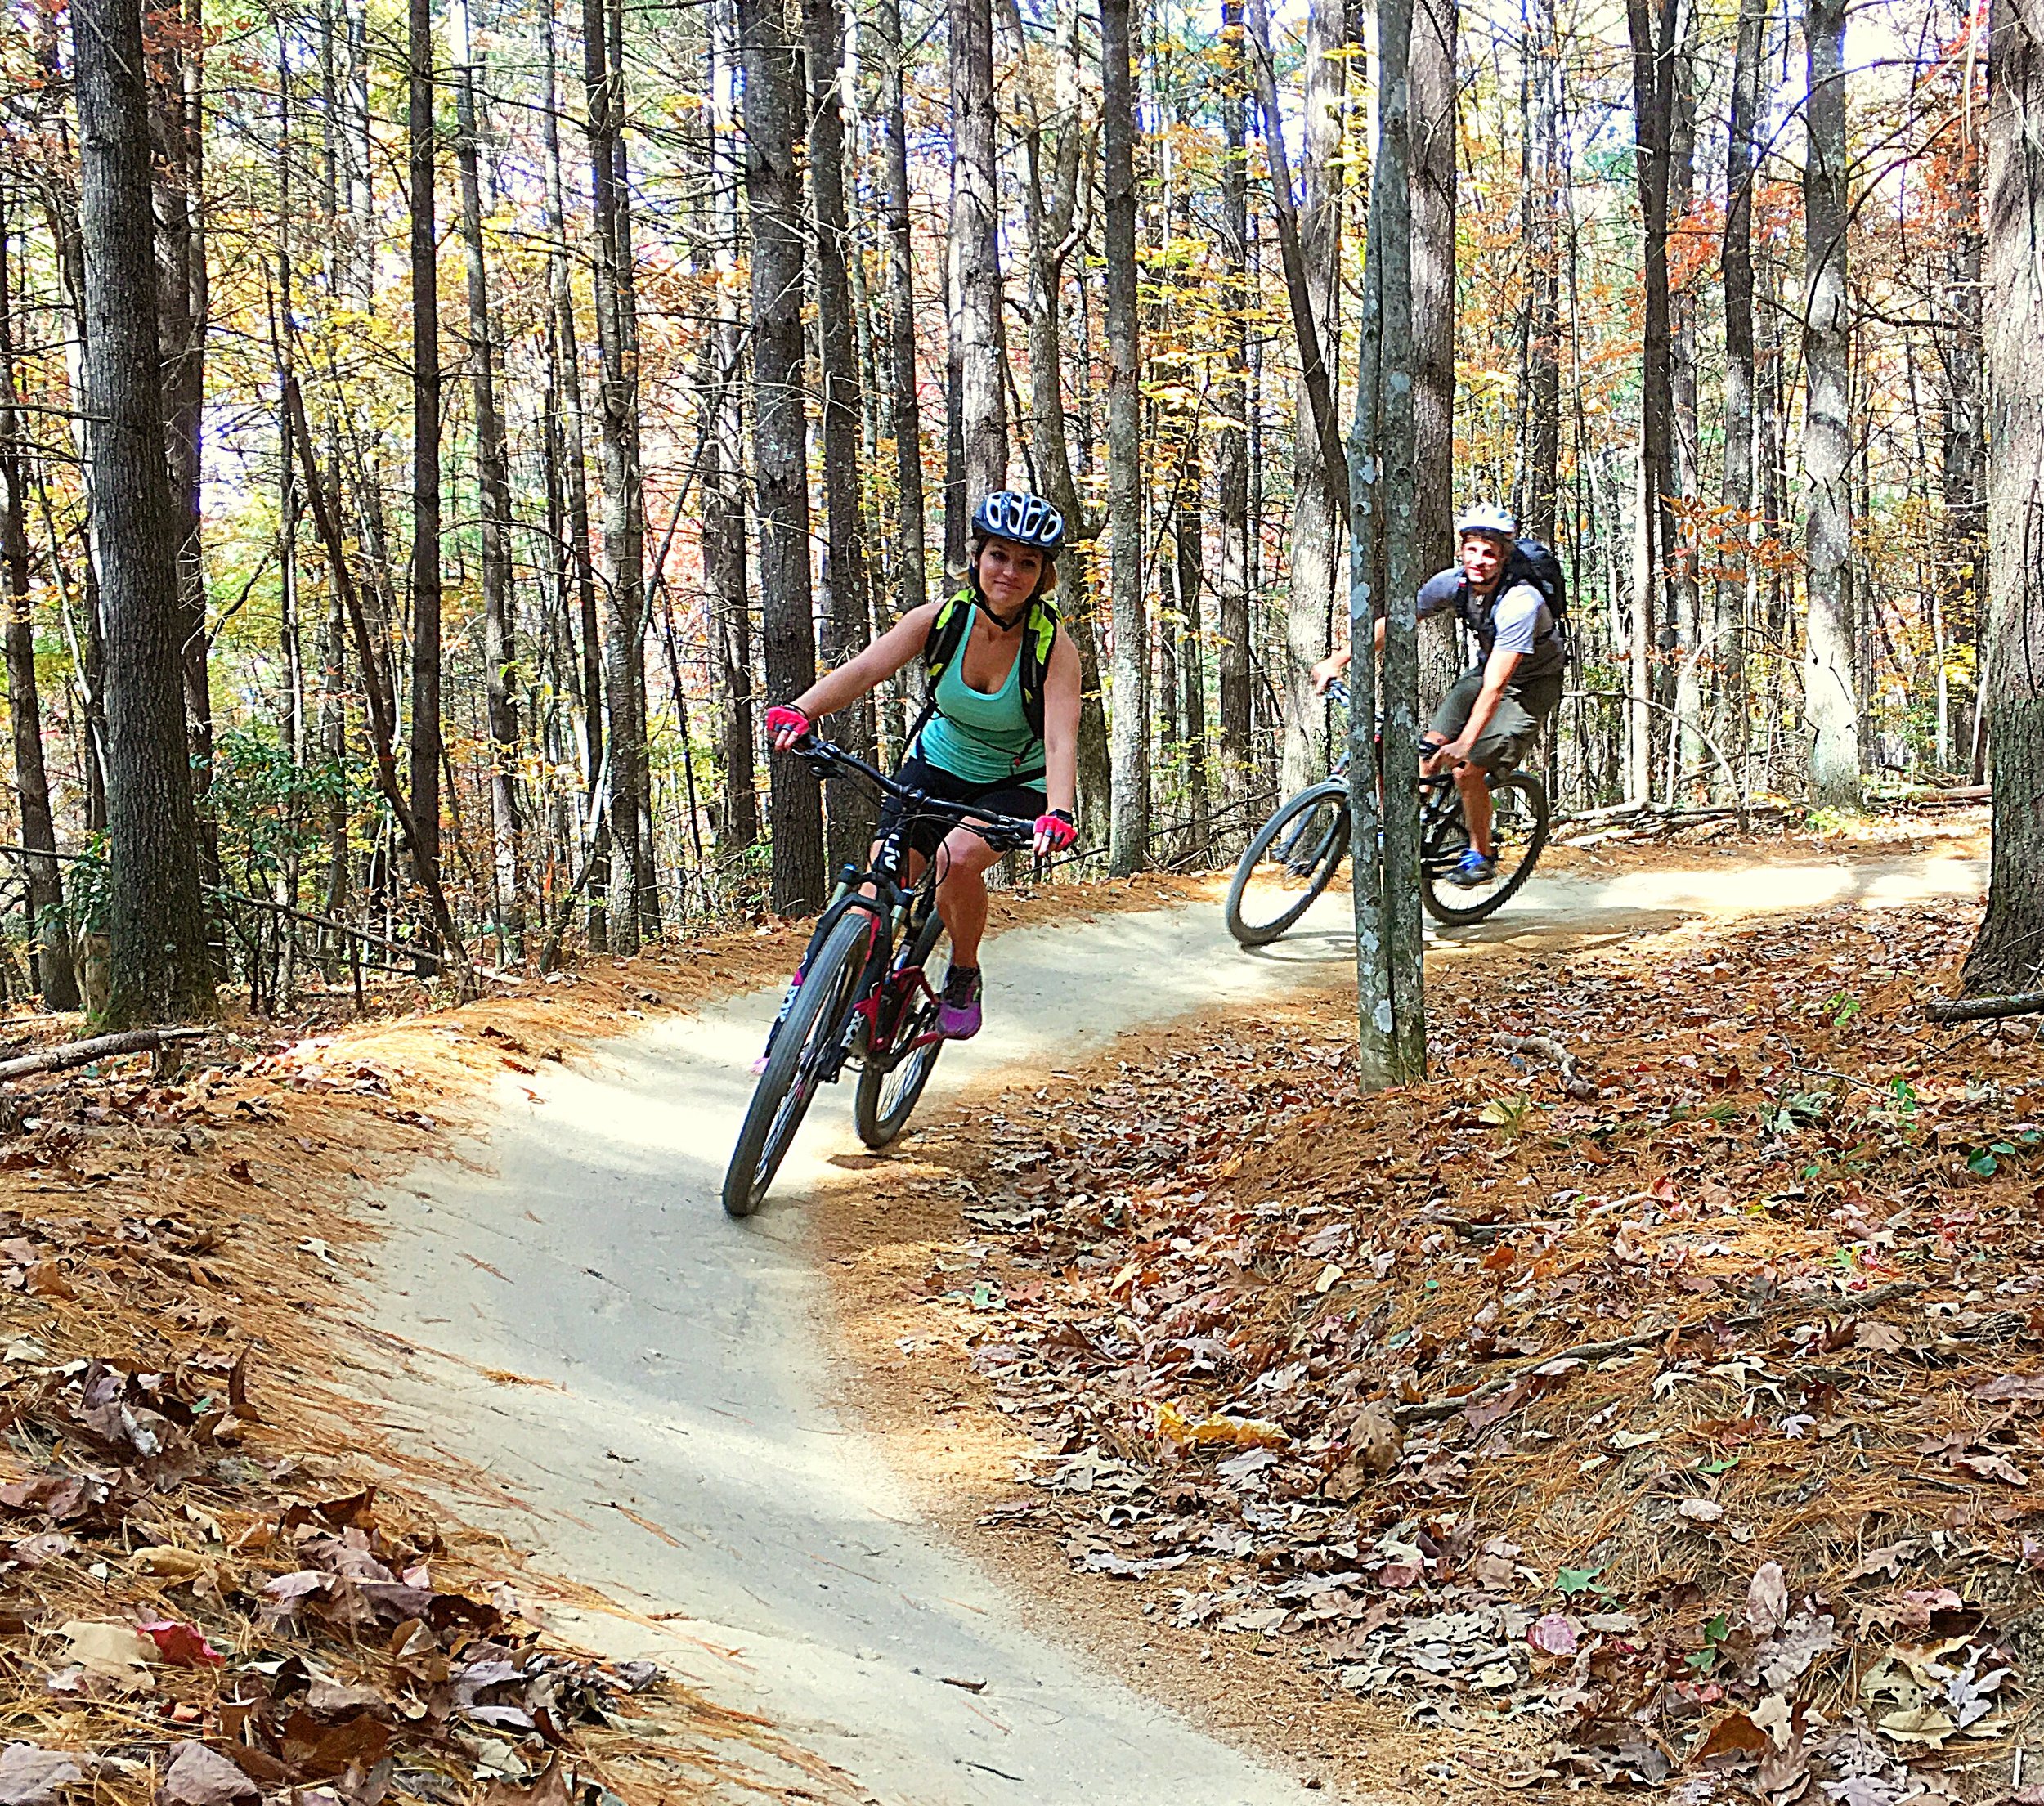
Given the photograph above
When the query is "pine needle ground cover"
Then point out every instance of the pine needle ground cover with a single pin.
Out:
(219, 1580)
(1651, 1398)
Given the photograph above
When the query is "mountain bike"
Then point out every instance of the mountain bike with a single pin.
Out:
(1295, 854)
(861, 995)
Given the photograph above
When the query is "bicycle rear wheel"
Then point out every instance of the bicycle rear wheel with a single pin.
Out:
(1292, 860)
(892, 1083)
(1519, 824)
(809, 1036)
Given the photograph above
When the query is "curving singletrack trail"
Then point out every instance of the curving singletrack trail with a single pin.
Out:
(682, 1455)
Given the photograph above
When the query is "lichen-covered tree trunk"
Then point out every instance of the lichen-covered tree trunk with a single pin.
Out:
(159, 966)
(2008, 954)
(1128, 839)
(1831, 693)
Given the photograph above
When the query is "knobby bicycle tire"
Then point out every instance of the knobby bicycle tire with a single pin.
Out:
(878, 1126)
(1460, 916)
(814, 1022)
(1328, 861)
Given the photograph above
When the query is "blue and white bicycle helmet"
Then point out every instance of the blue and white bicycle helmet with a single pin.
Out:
(1488, 517)
(1025, 519)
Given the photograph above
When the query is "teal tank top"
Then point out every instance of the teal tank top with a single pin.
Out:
(982, 738)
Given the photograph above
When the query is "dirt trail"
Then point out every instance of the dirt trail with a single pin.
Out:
(678, 1449)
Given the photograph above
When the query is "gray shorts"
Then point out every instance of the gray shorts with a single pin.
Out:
(1508, 736)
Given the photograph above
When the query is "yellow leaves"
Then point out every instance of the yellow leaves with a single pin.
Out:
(1220, 1430)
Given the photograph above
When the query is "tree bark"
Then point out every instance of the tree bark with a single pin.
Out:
(1738, 492)
(1651, 26)
(1684, 457)
(1050, 211)
(1830, 700)
(425, 748)
(493, 482)
(1128, 841)
(904, 413)
(2008, 953)
(53, 973)
(1231, 444)
(976, 221)
(158, 963)
(623, 519)
(1434, 114)
(849, 622)
(772, 90)
(1962, 551)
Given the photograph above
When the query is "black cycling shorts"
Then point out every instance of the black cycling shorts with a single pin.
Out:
(926, 833)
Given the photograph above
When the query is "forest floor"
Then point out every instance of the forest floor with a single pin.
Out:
(1672, 1419)
(327, 1600)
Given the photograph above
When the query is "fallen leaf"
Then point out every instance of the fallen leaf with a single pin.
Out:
(2009, 1387)
(114, 1653)
(200, 1777)
(166, 1563)
(1767, 1600)
(30, 1775)
(1735, 1740)
(182, 1645)
(1555, 1633)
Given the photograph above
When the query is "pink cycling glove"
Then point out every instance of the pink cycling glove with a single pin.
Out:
(1054, 832)
(786, 724)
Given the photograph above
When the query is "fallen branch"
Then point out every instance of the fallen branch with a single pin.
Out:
(1433, 1408)
(2021, 1003)
(83, 1053)
(1546, 1047)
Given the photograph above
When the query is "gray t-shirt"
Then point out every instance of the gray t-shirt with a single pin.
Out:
(1518, 622)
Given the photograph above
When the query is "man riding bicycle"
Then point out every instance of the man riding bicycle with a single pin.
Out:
(1001, 727)
(1488, 722)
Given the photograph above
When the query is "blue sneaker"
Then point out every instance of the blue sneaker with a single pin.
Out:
(958, 1004)
(1471, 870)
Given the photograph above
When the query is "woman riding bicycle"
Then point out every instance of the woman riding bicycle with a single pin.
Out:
(1001, 729)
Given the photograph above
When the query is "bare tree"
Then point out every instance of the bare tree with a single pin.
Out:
(159, 965)
(1231, 443)
(1434, 113)
(425, 749)
(1830, 699)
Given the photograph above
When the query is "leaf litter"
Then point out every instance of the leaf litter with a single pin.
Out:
(219, 1585)
(1683, 1430)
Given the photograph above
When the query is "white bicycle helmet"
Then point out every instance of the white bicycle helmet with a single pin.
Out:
(1026, 519)
(1487, 517)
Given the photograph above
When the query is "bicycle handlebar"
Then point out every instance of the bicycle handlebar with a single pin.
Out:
(1003, 833)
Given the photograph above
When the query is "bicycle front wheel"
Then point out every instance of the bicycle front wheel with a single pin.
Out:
(803, 1048)
(1519, 822)
(892, 1083)
(1292, 859)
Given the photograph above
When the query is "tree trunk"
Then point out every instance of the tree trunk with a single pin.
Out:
(975, 236)
(2008, 953)
(1319, 472)
(624, 520)
(1651, 25)
(1962, 554)
(1545, 174)
(1129, 842)
(1434, 114)
(849, 621)
(51, 967)
(1050, 211)
(1738, 494)
(773, 100)
(1231, 444)
(182, 305)
(724, 476)
(1831, 701)
(1684, 453)
(159, 965)
(493, 481)
(425, 749)
(904, 415)
(567, 374)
